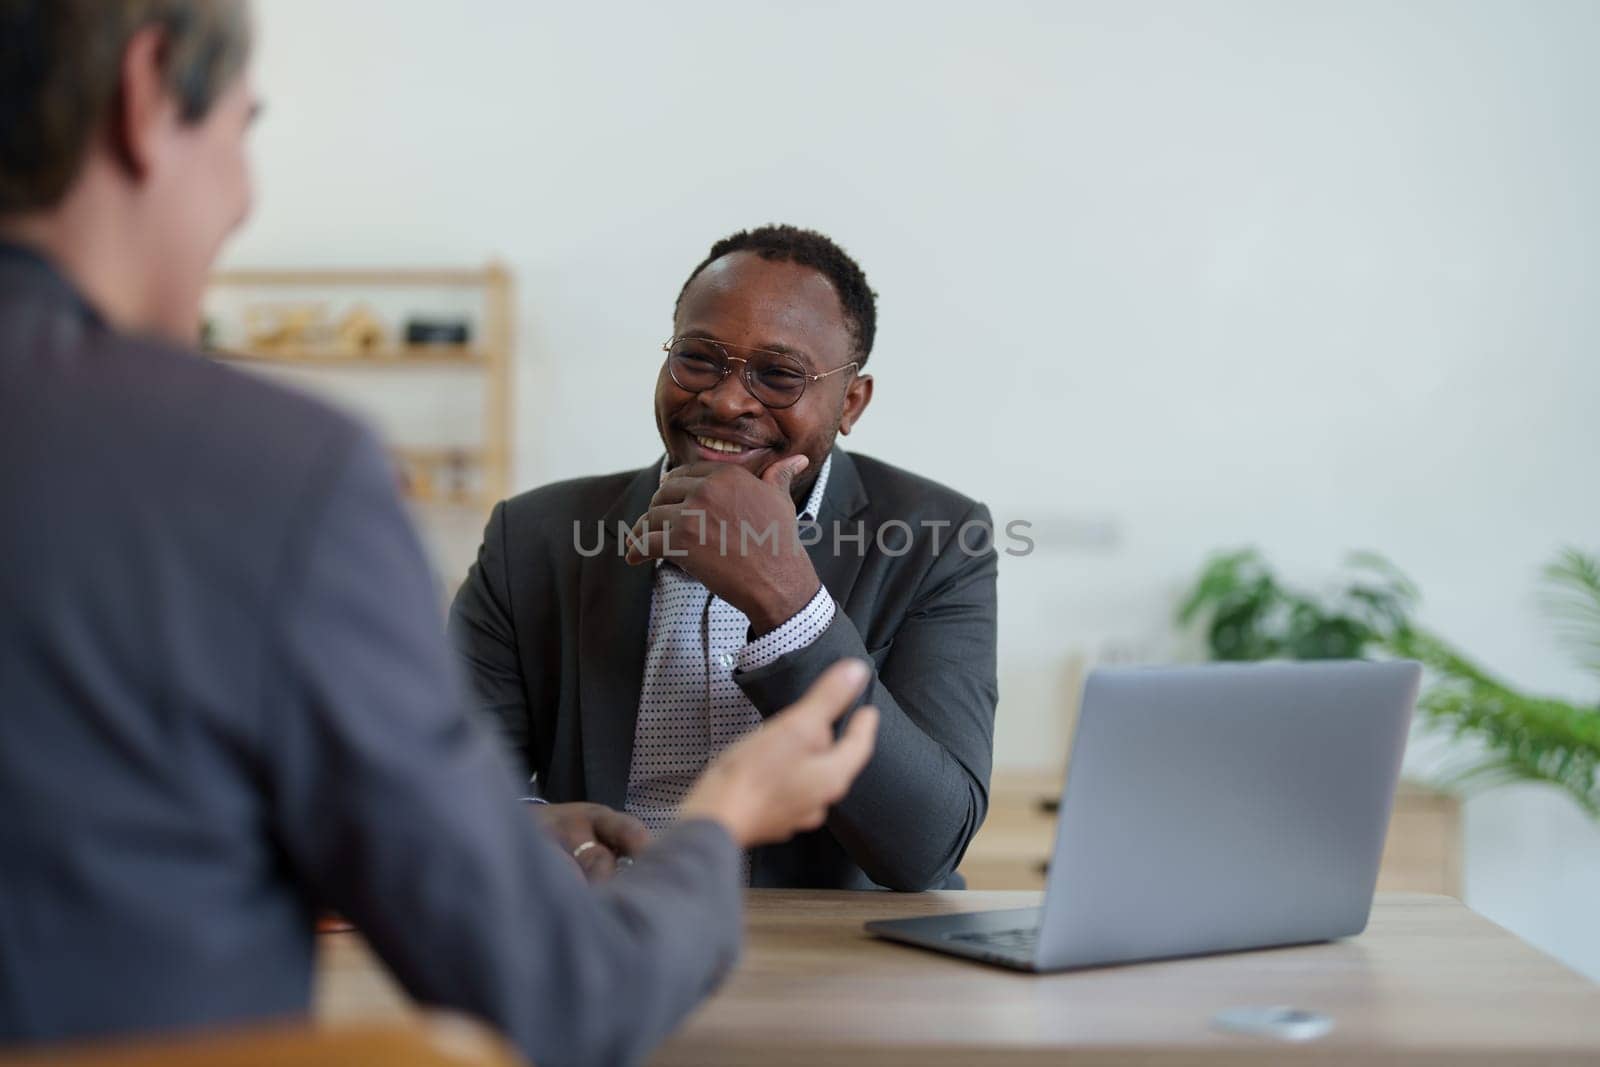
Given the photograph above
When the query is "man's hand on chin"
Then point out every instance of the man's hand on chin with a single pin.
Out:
(736, 533)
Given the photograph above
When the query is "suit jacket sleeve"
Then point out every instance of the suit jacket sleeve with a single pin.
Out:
(484, 639)
(908, 819)
(395, 808)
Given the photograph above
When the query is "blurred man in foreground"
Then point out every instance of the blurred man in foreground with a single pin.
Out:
(224, 700)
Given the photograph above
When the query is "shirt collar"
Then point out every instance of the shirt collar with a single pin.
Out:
(813, 506)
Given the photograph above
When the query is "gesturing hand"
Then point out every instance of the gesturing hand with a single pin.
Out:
(783, 778)
(594, 835)
(736, 533)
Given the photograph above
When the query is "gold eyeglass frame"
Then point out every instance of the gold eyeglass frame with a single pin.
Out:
(744, 372)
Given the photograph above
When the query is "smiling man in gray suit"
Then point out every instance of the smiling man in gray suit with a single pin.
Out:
(224, 699)
(623, 628)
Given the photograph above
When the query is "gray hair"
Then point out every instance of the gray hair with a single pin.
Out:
(60, 63)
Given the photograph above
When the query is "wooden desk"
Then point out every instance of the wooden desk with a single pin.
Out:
(1429, 983)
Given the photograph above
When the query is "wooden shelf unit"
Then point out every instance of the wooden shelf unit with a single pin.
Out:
(489, 355)
(381, 359)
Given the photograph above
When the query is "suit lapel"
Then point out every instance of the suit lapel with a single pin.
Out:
(836, 560)
(614, 614)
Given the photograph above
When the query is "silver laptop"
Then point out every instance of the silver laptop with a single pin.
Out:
(1207, 809)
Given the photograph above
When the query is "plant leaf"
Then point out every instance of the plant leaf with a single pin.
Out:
(1571, 596)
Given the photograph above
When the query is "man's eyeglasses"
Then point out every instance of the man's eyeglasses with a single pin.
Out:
(777, 380)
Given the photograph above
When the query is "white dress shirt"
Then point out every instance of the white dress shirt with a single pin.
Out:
(690, 707)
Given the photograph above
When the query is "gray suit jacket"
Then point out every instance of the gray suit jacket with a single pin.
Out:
(225, 702)
(552, 636)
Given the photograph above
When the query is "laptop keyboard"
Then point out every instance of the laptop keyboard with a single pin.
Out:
(1023, 939)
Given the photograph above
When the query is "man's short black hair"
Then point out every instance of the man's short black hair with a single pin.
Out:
(808, 248)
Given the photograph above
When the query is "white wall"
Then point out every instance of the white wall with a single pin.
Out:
(1309, 276)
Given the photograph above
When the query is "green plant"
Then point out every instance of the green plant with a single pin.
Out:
(1517, 737)
(1250, 615)
(1522, 737)
(1572, 597)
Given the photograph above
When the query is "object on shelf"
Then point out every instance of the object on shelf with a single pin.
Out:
(459, 464)
(438, 475)
(285, 329)
(430, 331)
(360, 333)
(416, 480)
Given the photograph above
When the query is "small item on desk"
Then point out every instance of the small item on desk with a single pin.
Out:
(1279, 1021)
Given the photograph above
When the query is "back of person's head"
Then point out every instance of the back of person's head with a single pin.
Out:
(60, 68)
(142, 102)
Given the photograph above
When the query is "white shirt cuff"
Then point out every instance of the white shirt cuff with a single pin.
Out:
(804, 627)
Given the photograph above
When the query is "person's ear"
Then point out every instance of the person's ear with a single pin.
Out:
(856, 399)
(145, 110)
